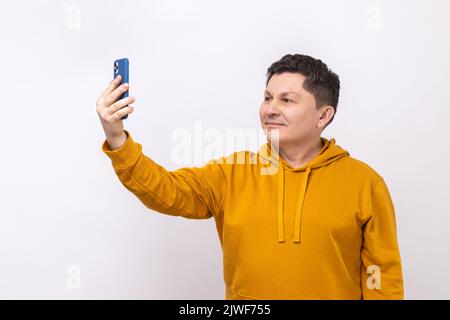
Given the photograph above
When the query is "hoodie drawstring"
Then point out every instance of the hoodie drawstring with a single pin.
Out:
(299, 207)
(280, 203)
(301, 198)
(329, 153)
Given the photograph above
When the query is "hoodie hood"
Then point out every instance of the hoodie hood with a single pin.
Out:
(329, 153)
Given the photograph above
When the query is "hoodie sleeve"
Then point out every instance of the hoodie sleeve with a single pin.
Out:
(381, 270)
(192, 192)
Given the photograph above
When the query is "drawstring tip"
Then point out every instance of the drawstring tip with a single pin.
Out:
(297, 239)
(280, 240)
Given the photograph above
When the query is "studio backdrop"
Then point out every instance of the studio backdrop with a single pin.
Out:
(70, 230)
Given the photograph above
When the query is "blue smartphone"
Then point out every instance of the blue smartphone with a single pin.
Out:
(121, 67)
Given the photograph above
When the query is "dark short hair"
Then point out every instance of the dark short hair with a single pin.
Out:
(320, 81)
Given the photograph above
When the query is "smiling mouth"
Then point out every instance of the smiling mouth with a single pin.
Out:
(274, 124)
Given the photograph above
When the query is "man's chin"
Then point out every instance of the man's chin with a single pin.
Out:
(274, 138)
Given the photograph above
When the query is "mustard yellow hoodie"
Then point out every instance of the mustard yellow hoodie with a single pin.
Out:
(326, 230)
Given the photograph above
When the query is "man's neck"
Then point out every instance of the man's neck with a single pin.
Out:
(300, 154)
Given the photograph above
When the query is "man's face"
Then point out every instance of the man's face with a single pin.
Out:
(290, 109)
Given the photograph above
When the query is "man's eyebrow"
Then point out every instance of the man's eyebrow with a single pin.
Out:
(281, 93)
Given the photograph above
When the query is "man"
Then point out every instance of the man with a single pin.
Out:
(300, 219)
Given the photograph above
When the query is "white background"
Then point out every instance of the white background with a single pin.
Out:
(63, 209)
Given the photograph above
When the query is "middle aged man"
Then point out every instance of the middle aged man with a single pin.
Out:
(300, 219)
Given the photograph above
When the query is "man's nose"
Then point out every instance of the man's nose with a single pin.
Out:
(273, 109)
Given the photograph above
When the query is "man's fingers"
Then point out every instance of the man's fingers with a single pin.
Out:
(117, 92)
(122, 112)
(119, 104)
(111, 86)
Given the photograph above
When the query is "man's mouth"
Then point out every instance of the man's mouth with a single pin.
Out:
(273, 124)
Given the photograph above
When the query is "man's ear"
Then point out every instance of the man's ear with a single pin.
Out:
(326, 114)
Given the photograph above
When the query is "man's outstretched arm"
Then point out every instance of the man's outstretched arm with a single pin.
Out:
(191, 192)
(195, 193)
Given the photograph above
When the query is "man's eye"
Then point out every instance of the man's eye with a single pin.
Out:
(287, 100)
(266, 98)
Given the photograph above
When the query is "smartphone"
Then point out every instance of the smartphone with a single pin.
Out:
(121, 67)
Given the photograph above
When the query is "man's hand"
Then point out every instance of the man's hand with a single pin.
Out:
(111, 111)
